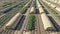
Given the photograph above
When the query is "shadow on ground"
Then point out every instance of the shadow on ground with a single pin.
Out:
(37, 11)
(55, 24)
(19, 25)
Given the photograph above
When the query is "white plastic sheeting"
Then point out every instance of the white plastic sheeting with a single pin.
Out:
(32, 10)
(53, 6)
(12, 20)
(46, 22)
(58, 9)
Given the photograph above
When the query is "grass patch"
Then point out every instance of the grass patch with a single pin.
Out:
(31, 22)
(3, 19)
(58, 17)
(8, 5)
(34, 4)
(23, 10)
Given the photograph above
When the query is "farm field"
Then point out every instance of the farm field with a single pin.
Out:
(29, 16)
